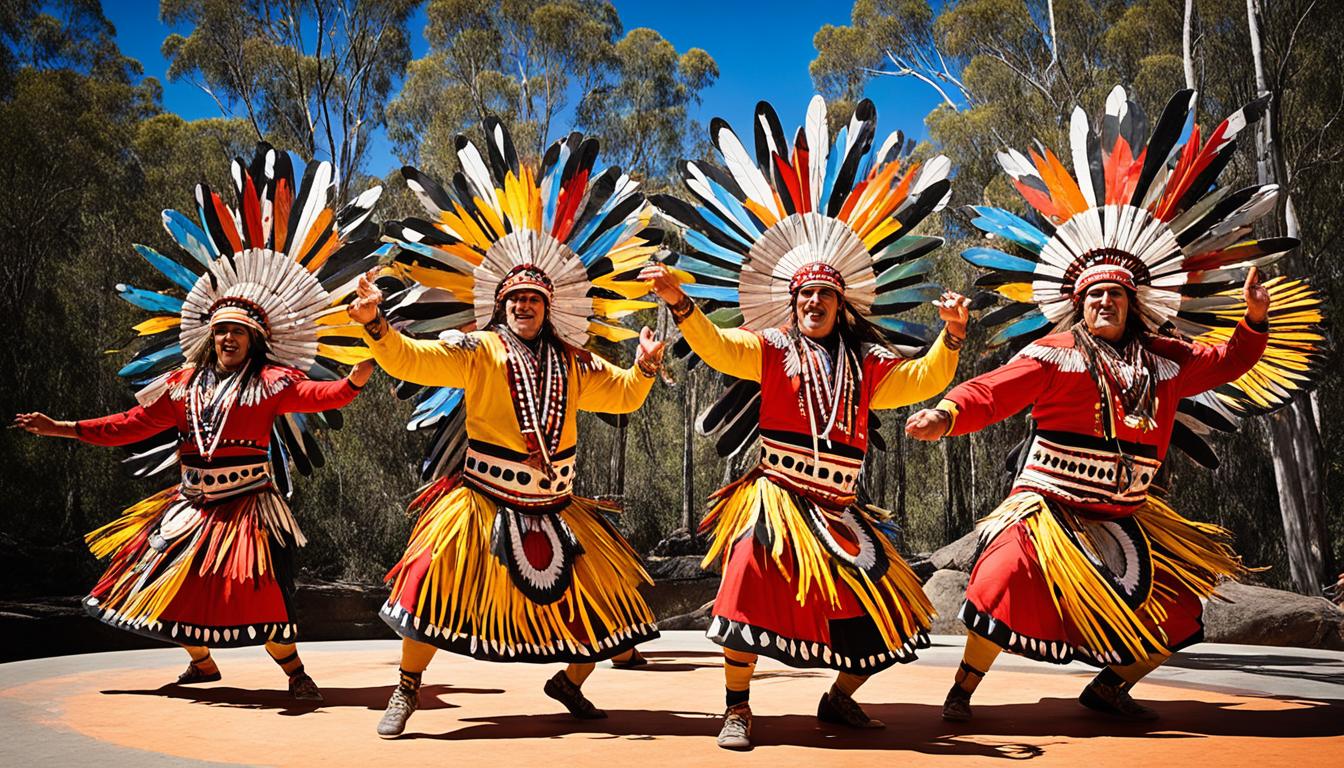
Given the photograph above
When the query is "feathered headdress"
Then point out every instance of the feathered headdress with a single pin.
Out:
(820, 212)
(284, 258)
(572, 231)
(818, 207)
(1149, 207)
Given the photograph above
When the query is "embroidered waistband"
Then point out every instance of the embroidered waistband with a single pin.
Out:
(206, 484)
(510, 477)
(1058, 467)
(830, 475)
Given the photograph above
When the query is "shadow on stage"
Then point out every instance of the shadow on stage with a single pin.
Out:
(1321, 670)
(373, 699)
(918, 728)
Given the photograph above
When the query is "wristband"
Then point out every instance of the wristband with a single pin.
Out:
(682, 309)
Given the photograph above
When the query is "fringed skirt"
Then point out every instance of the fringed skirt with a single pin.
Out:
(810, 586)
(218, 575)
(487, 581)
(1053, 584)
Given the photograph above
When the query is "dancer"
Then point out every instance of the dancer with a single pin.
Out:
(505, 562)
(817, 255)
(1081, 561)
(210, 562)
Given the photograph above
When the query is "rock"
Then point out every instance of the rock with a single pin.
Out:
(675, 568)
(680, 542)
(923, 568)
(1263, 616)
(946, 589)
(958, 556)
(697, 619)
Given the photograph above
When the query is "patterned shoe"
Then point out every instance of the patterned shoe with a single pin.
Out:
(562, 690)
(957, 705)
(195, 675)
(736, 731)
(840, 708)
(302, 687)
(1114, 700)
(403, 703)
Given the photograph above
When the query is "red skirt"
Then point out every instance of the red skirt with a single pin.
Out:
(219, 575)
(1052, 584)
(808, 586)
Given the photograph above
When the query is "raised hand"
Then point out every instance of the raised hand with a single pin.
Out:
(41, 424)
(955, 310)
(1256, 297)
(929, 424)
(359, 375)
(364, 309)
(663, 283)
(650, 353)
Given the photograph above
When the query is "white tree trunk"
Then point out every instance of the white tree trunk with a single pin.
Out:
(1294, 434)
(1186, 53)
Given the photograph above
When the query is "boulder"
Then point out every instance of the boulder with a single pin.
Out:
(1261, 616)
(946, 589)
(681, 542)
(957, 556)
(675, 568)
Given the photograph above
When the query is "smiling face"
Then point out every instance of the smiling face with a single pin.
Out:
(525, 312)
(1106, 310)
(815, 310)
(233, 342)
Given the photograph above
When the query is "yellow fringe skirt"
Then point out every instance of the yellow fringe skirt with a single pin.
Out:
(493, 583)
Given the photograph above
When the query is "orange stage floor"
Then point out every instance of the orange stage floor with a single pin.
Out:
(1220, 705)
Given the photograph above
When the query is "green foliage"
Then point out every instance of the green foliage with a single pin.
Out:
(309, 75)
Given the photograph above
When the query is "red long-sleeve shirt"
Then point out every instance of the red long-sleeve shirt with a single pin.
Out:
(248, 428)
(1049, 376)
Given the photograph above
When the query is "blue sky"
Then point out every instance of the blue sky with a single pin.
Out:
(762, 49)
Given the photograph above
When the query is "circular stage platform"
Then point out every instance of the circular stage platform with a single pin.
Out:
(1223, 705)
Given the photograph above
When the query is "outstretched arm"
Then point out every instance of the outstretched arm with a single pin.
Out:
(1212, 366)
(984, 400)
(733, 351)
(117, 429)
(902, 382)
(308, 396)
(432, 363)
(604, 388)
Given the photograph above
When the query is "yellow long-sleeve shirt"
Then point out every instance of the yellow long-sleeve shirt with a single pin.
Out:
(478, 363)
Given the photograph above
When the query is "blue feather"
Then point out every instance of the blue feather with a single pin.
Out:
(716, 292)
(602, 245)
(902, 271)
(153, 363)
(912, 295)
(592, 224)
(739, 211)
(1032, 321)
(918, 330)
(439, 403)
(170, 269)
(704, 268)
(708, 247)
(190, 236)
(1009, 226)
(990, 258)
(154, 302)
(833, 162)
(713, 218)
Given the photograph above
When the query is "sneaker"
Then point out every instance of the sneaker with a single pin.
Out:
(1114, 700)
(957, 705)
(840, 708)
(566, 692)
(302, 688)
(399, 709)
(736, 731)
(195, 675)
